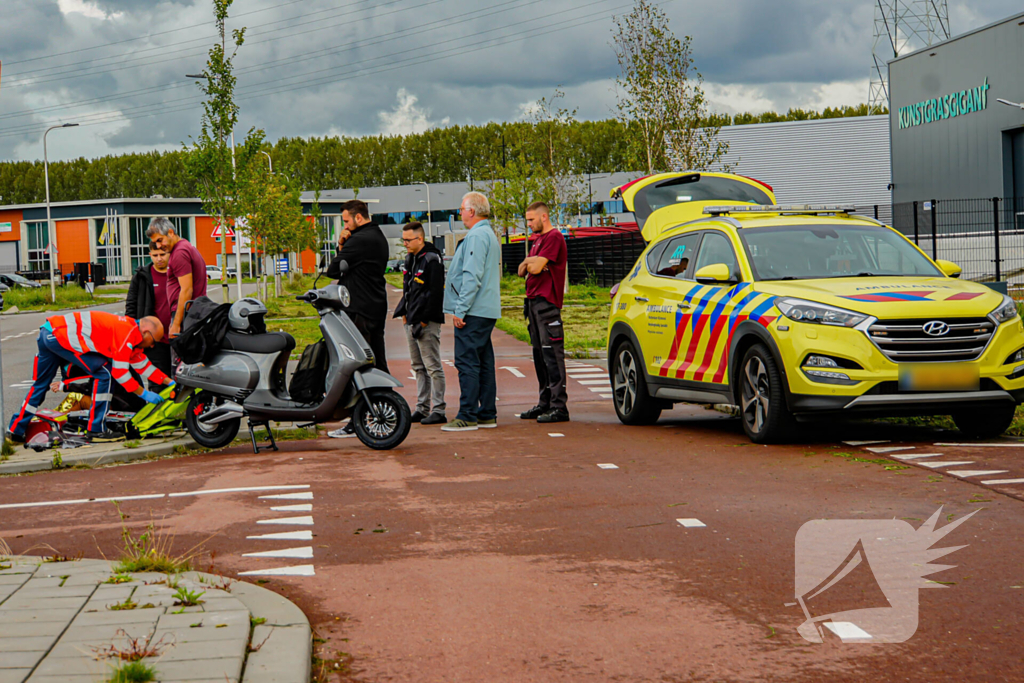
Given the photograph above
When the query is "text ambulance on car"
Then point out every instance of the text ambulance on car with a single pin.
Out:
(795, 312)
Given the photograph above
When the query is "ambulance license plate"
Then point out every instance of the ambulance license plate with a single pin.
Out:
(939, 377)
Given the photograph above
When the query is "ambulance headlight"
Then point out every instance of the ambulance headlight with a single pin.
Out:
(802, 311)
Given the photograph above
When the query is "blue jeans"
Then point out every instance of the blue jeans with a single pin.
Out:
(50, 357)
(474, 359)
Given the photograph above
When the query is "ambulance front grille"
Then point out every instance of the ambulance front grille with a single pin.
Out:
(906, 341)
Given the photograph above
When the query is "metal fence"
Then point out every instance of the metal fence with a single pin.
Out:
(985, 237)
(604, 260)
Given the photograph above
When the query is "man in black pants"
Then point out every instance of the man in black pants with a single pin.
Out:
(363, 246)
(544, 270)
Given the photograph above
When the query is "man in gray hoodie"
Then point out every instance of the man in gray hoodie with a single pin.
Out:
(472, 296)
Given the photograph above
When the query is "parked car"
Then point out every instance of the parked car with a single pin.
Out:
(396, 265)
(15, 280)
(214, 273)
(798, 312)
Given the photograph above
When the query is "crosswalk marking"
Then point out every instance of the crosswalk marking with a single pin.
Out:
(304, 521)
(992, 482)
(303, 553)
(304, 535)
(299, 570)
(948, 463)
(977, 473)
(691, 523)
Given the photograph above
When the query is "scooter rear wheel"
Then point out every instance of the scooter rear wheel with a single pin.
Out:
(209, 436)
(388, 426)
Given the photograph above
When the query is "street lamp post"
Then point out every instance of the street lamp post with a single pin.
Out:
(429, 233)
(51, 237)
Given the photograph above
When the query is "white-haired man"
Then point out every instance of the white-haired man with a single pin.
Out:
(472, 296)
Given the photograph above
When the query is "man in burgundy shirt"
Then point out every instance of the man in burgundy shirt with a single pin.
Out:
(186, 271)
(544, 270)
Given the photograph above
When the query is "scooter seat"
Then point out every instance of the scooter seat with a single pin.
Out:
(271, 342)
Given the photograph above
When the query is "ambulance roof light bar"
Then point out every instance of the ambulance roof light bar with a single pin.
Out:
(775, 208)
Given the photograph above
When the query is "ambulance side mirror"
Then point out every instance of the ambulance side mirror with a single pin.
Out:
(949, 268)
(716, 273)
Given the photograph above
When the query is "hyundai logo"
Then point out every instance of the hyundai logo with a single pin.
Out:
(936, 328)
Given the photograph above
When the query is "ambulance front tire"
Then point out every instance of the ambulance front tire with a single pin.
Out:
(763, 410)
(985, 423)
(633, 405)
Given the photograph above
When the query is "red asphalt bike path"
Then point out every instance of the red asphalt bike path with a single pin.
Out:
(509, 555)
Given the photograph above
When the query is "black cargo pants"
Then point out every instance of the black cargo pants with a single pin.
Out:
(548, 341)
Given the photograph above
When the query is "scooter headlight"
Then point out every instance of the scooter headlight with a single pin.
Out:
(346, 298)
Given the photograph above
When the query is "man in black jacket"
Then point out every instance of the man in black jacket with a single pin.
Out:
(147, 295)
(421, 311)
(363, 246)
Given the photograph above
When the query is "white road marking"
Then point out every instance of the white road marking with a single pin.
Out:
(304, 535)
(915, 456)
(305, 495)
(305, 521)
(607, 466)
(848, 632)
(587, 382)
(985, 445)
(607, 395)
(239, 489)
(79, 501)
(865, 443)
(302, 507)
(555, 434)
(303, 553)
(514, 371)
(977, 473)
(947, 463)
(598, 390)
(691, 522)
(889, 449)
(298, 570)
(1003, 481)
(590, 374)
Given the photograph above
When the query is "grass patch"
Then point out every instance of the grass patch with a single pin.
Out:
(134, 443)
(7, 450)
(119, 578)
(133, 672)
(150, 551)
(297, 434)
(184, 597)
(585, 312)
(38, 299)
(127, 604)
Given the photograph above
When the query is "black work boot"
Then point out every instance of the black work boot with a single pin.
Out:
(533, 413)
(554, 415)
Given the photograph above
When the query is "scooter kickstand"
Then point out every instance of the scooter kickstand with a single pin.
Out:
(270, 434)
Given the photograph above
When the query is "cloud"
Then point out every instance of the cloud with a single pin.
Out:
(407, 118)
(318, 67)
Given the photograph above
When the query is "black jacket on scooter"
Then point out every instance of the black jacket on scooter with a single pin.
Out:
(366, 252)
(140, 302)
(423, 287)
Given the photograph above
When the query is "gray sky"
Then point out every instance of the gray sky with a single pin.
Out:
(356, 67)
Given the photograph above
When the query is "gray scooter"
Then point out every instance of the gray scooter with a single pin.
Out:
(246, 378)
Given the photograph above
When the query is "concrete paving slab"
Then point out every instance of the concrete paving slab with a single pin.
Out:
(26, 616)
(279, 658)
(27, 643)
(213, 649)
(230, 667)
(13, 675)
(130, 616)
(20, 660)
(55, 591)
(206, 632)
(42, 628)
(16, 602)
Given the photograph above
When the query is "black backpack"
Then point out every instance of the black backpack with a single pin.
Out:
(204, 327)
(308, 382)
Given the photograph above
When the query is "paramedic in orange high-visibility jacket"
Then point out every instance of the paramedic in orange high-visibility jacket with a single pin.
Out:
(105, 345)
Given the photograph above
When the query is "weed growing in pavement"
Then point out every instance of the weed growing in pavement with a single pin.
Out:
(135, 650)
(151, 551)
(134, 443)
(132, 672)
(60, 557)
(257, 621)
(187, 598)
(219, 583)
(889, 465)
(127, 604)
(119, 578)
(57, 461)
(7, 449)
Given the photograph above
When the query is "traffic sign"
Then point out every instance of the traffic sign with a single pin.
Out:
(217, 231)
(282, 265)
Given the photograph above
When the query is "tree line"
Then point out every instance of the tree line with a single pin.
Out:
(450, 154)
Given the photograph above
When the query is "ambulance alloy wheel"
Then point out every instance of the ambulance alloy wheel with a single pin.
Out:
(633, 404)
(766, 419)
(209, 436)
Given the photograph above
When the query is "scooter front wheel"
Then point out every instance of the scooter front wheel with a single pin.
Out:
(209, 436)
(386, 423)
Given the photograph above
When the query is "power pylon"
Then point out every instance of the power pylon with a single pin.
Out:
(902, 26)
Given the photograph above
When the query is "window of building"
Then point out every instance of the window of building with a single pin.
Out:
(108, 245)
(139, 241)
(38, 240)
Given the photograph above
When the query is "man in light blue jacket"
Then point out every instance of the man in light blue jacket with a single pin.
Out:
(472, 296)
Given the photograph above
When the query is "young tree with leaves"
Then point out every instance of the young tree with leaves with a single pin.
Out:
(660, 99)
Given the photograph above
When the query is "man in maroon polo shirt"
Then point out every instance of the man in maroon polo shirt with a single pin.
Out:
(544, 270)
(186, 271)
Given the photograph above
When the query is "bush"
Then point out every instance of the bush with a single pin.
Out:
(38, 298)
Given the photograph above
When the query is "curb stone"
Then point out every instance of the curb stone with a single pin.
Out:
(26, 460)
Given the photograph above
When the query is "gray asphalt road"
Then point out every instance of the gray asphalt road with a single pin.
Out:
(18, 348)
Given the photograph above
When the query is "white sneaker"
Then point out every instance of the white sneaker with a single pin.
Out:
(340, 433)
